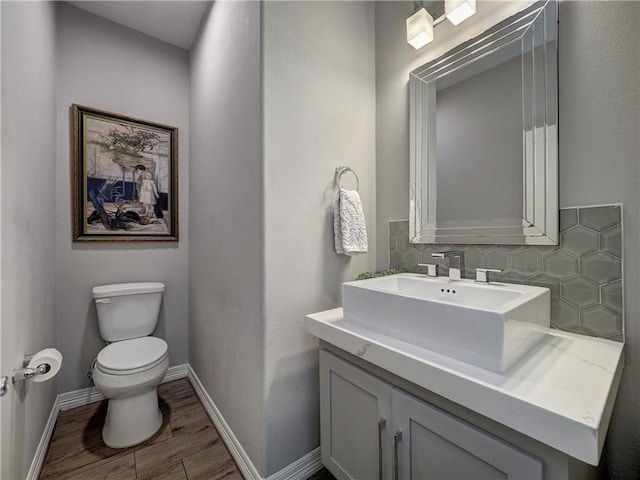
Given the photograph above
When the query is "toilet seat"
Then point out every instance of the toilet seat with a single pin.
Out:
(132, 356)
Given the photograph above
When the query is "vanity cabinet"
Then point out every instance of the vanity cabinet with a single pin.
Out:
(355, 411)
(432, 444)
(372, 429)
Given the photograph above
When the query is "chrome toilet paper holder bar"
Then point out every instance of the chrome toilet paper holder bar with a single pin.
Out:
(23, 374)
(26, 373)
(4, 386)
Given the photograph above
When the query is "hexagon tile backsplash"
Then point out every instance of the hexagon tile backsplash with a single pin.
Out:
(584, 272)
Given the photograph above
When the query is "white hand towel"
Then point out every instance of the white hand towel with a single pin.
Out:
(350, 230)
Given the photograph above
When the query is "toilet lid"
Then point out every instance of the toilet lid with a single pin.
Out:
(132, 354)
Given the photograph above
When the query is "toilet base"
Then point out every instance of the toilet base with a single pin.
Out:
(132, 420)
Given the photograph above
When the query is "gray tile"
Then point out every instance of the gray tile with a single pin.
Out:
(561, 265)
(581, 330)
(612, 296)
(544, 250)
(395, 259)
(579, 241)
(600, 218)
(402, 242)
(420, 246)
(602, 321)
(543, 280)
(426, 255)
(601, 267)
(412, 258)
(580, 292)
(512, 277)
(498, 259)
(394, 228)
(472, 260)
(611, 241)
(399, 226)
(484, 249)
(511, 249)
(564, 315)
(568, 218)
(618, 337)
(527, 263)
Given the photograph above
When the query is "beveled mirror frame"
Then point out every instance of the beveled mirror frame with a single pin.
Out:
(535, 28)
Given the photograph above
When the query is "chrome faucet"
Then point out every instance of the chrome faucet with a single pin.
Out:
(432, 269)
(482, 274)
(456, 262)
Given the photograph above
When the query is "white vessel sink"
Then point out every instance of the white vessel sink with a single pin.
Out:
(489, 325)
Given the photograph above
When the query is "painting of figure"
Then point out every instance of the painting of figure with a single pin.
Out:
(125, 178)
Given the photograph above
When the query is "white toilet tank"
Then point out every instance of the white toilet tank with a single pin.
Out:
(128, 310)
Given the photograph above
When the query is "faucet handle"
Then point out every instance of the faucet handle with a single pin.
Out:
(456, 262)
(482, 274)
(448, 254)
(432, 269)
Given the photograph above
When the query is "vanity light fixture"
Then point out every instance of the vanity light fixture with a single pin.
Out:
(420, 29)
(457, 11)
(420, 25)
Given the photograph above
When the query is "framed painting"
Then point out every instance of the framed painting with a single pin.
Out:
(125, 178)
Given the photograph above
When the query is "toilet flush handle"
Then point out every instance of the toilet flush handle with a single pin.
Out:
(103, 300)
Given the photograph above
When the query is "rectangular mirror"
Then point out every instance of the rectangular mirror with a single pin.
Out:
(484, 137)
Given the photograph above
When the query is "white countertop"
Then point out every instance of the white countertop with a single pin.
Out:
(561, 393)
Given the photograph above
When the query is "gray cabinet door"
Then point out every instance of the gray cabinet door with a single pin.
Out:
(431, 444)
(355, 409)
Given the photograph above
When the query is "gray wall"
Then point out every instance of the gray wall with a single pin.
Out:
(319, 113)
(28, 221)
(226, 260)
(599, 154)
(263, 154)
(107, 66)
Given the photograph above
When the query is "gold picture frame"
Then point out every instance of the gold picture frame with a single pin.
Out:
(125, 178)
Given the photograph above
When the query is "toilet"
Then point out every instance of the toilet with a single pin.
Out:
(129, 369)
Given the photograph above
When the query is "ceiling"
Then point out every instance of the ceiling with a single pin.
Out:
(174, 22)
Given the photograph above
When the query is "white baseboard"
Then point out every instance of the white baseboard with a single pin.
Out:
(246, 467)
(85, 396)
(79, 398)
(41, 450)
(176, 373)
(301, 469)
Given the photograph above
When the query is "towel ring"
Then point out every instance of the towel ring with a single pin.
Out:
(340, 171)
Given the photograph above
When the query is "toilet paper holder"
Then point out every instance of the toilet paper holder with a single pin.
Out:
(26, 373)
(38, 367)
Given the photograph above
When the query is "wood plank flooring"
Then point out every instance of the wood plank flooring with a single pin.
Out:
(187, 447)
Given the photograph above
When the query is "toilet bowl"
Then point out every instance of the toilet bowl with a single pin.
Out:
(129, 369)
(128, 374)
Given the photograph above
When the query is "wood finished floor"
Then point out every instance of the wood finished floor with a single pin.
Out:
(187, 447)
